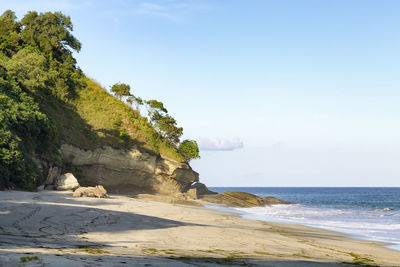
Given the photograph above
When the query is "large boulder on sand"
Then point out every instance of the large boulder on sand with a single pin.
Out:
(66, 181)
(97, 191)
(242, 199)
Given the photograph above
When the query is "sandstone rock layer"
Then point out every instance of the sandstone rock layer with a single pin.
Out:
(122, 171)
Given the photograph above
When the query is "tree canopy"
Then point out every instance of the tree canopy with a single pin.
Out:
(36, 63)
(189, 150)
(155, 105)
(23, 128)
(163, 122)
(134, 99)
(121, 89)
(40, 50)
(51, 33)
(159, 118)
(10, 29)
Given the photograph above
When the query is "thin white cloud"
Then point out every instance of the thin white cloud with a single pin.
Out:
(44, 5)
(174, 9)
(218, 144)
(155, 10)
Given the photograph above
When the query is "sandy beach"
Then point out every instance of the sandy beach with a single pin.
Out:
(50, 228)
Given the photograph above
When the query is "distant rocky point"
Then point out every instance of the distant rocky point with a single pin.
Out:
(242, 200)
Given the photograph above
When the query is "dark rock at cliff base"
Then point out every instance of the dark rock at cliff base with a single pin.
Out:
(242, 199)
(197, 190)
(202, 189)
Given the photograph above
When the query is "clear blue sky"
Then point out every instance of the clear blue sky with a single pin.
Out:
(279, 93)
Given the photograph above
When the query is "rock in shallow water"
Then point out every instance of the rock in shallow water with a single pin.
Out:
(275, 201)
(242, 200)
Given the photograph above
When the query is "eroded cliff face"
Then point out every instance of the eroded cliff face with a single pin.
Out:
(121, 171)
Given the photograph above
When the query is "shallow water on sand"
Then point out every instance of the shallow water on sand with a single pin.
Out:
(367, 213)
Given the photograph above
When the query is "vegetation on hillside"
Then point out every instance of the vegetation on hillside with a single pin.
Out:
(46, 100)
(189, 150)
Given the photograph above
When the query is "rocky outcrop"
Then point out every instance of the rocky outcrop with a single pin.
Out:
(66, 181)
(202, 189)
(275, 201)
(49, 168)
(242, 199)
(97, 191)
(52, 174)
(197, 190)
(122, 171)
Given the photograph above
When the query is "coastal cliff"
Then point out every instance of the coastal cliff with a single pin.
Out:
(123, 171)
(115, 138)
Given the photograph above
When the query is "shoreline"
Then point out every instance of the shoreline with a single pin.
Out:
(249, 216)
(67, 231)
(348, 210)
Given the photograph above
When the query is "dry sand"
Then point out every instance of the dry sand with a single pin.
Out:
(61, 230)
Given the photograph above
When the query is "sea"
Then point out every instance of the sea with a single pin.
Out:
(371, 213)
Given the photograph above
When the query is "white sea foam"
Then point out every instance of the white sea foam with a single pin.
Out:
(380, 224)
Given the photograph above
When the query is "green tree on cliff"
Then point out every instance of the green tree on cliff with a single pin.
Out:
(36, 65)
(23, 128)
(29, 67)
(167, 127)
(120, 90)
(155, 106)
(10, 29)
(134, 99)
(163, 122)
(51, 33)
(189, 150)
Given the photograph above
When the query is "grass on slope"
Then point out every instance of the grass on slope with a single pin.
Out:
(95, 118)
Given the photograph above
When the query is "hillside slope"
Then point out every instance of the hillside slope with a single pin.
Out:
(47, 103)
(94, 118)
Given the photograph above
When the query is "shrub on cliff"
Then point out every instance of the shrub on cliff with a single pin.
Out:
(36, 65)
(24, 130)
(189, 150)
